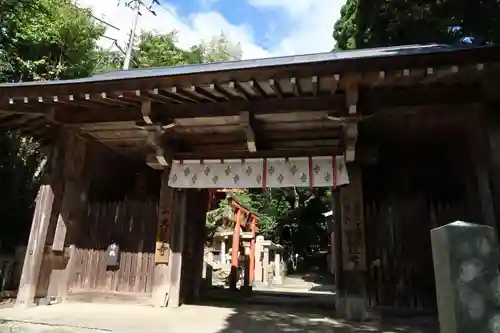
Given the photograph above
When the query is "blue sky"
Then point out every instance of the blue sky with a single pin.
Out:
(268, 26)
(263, 28)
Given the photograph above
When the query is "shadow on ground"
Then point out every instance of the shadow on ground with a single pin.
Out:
(274, 319)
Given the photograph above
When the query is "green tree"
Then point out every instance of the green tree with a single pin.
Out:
(218, 49)
(155, 50)
(376, 23)
(47, 39)
(39, 40)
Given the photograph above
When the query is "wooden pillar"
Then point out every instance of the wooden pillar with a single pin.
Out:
(480, 157)
(162, 251)
(200, 245)
(73, 198)
(235, 251)
(37, 238)
(337, 241)
(177, 245)
(492, 131)
(352, 297)
(252, 249)
(74, 190)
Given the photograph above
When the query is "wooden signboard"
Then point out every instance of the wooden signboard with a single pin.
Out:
(162, 250)
(353, 228)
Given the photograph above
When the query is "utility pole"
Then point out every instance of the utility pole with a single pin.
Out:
(130, 45)
(136, 7)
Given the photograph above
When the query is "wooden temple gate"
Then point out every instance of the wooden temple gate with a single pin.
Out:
(131, 155)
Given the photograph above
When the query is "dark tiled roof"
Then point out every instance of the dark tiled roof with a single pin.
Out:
(254, 63)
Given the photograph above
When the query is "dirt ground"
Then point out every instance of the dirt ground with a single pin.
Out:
(94, 317)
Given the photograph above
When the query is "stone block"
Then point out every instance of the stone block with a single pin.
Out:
(351, 307)
(466, 265)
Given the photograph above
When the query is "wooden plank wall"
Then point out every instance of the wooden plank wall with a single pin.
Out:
(132, 224)
(405, 196)
(399, 250)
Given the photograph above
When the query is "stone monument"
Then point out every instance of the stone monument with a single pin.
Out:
(467, 281)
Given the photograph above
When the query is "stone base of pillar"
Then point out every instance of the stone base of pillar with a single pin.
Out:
(352, 307)
(277, 280)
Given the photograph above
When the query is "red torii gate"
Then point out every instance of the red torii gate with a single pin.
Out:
(245, 218)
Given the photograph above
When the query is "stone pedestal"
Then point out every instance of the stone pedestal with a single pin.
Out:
(246, 272)
(265, 265)
(278, 278)
(258, 262)
(223, 250)
(467, 281)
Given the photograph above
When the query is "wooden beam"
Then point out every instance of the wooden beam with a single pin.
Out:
(351, 136)
(21, 112)
(246, 124)
(393, 77)
(203, 93)
(236, 86)
(275, 135)
(146, 112)
(283, 144)
(433, 74)
(297, 89)
(382, 98)
(228, 108)
(276, 87)
(221, 91)
(351, 98)
(289, 152)
(185, 95)
(257, 89)
(18, 121)
(315, 85)
(336, 80)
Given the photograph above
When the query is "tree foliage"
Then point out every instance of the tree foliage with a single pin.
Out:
(155, 50)
(19, 161)
(376, 23)
(46, 39)
(39, 40)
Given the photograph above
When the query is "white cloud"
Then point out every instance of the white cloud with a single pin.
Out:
(191, 30)
(310, 23)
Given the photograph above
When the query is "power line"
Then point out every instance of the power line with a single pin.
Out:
(105, 23)
(161, 5)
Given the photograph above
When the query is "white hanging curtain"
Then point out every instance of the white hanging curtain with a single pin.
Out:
(320, 171)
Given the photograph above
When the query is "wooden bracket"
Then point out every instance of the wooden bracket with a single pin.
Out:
(351, 98)
(162, 155)
(351, 136)
(246, 124)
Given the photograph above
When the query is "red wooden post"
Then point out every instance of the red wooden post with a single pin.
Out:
(235, 251)
(252, 248)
